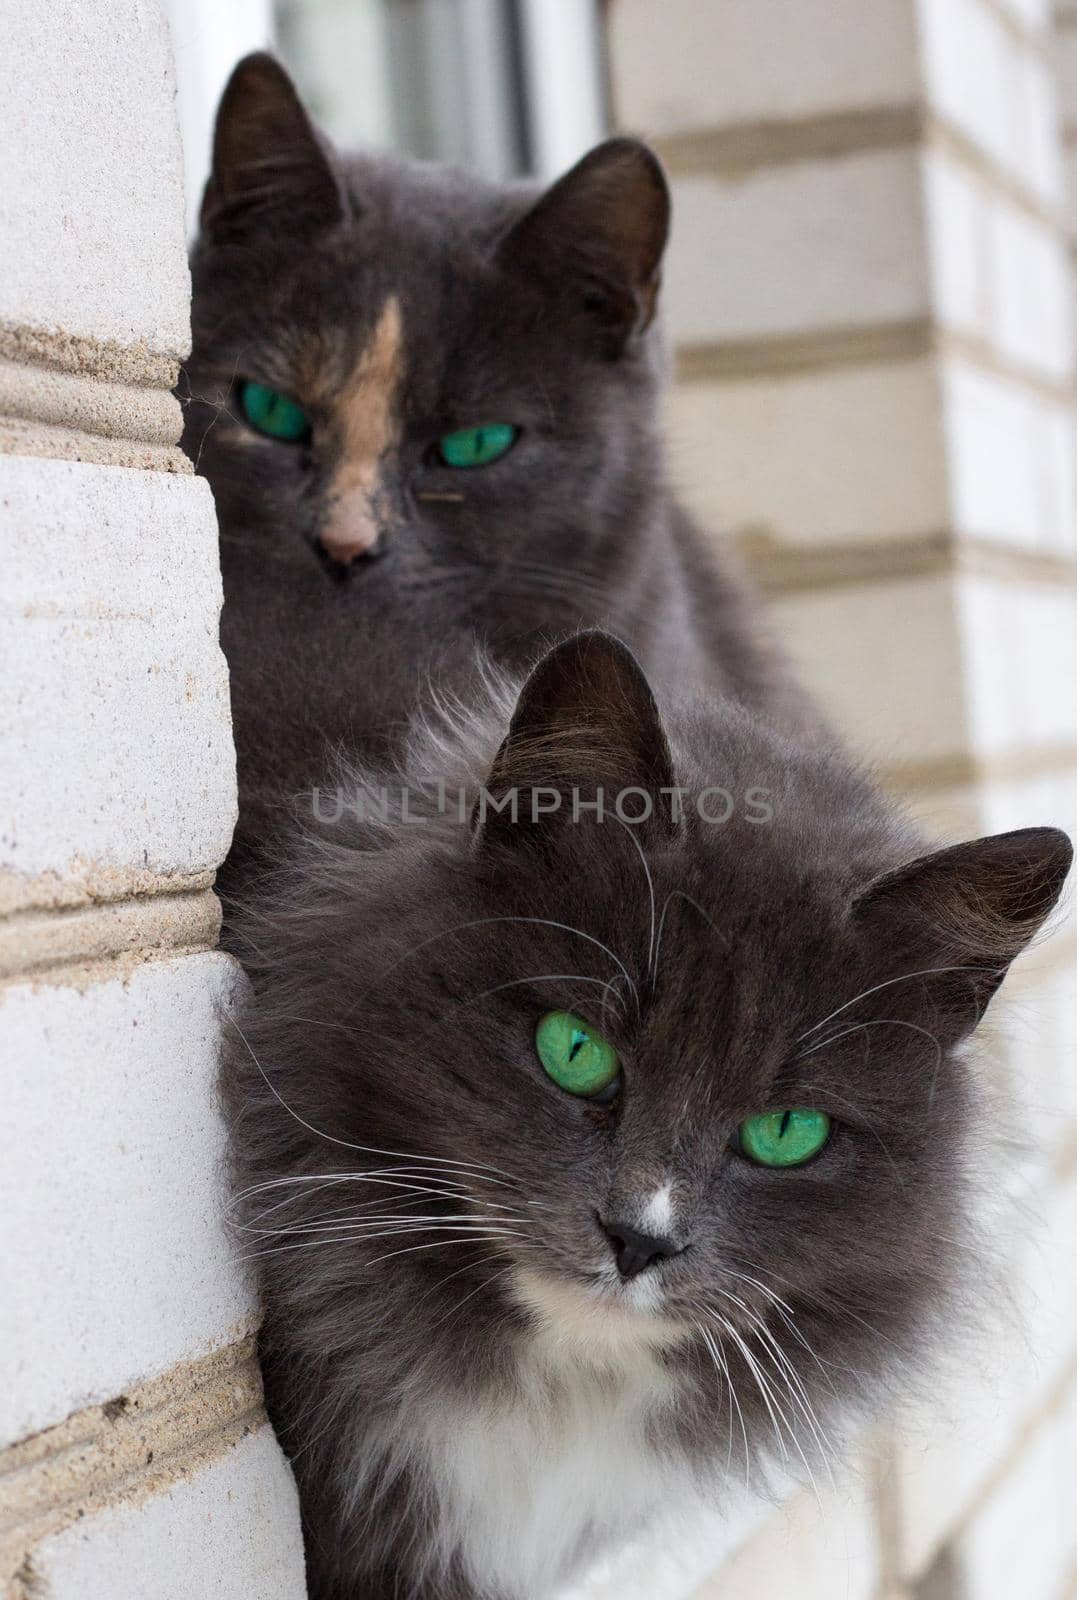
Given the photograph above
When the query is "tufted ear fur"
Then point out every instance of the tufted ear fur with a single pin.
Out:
(597, 237)
(268, 160)
(586, 720)
(956, 919)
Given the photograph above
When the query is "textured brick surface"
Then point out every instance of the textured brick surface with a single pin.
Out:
(896, 692)
(229, 1533)
(994, 88)
(861, 453)
(116, 729)
(1022, 695)
(1010, 460)
(792, 250)
(113, 1256)
(91, 199)
(687, 64)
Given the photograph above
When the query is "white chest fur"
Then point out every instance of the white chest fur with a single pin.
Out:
(574, 1460)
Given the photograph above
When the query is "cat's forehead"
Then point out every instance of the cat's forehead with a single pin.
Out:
(359, 377)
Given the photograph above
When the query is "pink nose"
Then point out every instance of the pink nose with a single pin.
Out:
(346, 539)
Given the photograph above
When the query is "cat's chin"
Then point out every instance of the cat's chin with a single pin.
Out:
(603, 1319)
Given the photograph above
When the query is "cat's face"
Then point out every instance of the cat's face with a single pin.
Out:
(402, 362)
(677, 1077)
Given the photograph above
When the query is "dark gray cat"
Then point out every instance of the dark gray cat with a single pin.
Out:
(427, 407)
(586, 1162)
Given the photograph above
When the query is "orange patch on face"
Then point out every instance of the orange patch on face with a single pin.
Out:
(366, 427)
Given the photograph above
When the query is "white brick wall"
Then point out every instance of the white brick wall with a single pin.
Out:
(720, 61)
(134, 1455)
(117, 697)
(113, 1253)
(790, 250)
(860, 450)
(217, 1533)
(992, 86)
(80, 213)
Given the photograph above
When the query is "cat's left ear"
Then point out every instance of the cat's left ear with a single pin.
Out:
(269, 163)
(952, 922)
(586, 721)
(598, 234)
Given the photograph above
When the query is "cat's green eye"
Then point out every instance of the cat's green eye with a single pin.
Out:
(784, 1138)
(273, 413)
(577, 1058)
(477, 447)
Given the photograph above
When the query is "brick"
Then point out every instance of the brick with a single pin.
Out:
(1020, 696)
(797, 249)
(956, 204)
(1071, 174)
(1030, 291)
(1033, 14)
(114, 1257)
(993, 88)
(894, 691)
(1064, 56)
(90, 183)
(231, 1532)
(938, 685)
(697, 63)
(1040, 1029)
(861, 453)
(116, 752)
(997, 273)
(1011, 459)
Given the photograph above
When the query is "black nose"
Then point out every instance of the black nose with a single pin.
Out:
(636, 1251)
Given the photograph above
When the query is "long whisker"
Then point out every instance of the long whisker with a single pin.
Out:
(353, 1223)
(650, 891)
(769, 1401)
(346, 1144)
(722, 1367)
(549, 977)
(885, 1022)
(679, 894)
(483, 922)
(458, 1235)
(905, 977)
(485, 1284)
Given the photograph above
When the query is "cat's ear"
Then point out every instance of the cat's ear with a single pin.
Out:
(598, 235)
(269, 163)
(953, 921)
(586, 721)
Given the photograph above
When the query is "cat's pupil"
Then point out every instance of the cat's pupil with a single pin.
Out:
(784, 1125)
(578, 1041)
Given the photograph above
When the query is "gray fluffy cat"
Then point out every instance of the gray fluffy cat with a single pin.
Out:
(587, 1161)
(598, 1122)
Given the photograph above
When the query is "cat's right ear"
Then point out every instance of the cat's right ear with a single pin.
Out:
(953, 921)
(598, 235)
(586, 734)
(269, 163)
